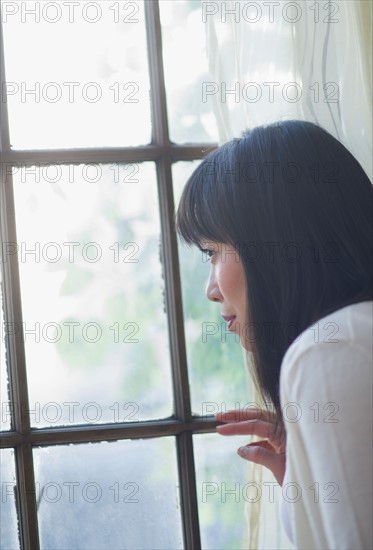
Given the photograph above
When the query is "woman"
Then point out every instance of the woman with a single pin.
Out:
(285, 213)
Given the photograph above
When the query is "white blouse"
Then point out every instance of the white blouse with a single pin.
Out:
(326, 398)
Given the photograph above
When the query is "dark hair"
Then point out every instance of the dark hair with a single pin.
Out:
(297, 207)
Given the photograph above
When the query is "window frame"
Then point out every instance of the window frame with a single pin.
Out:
(182, 424)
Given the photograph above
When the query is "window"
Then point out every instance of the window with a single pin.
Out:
(112, 361)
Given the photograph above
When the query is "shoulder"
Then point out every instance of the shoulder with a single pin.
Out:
(326, 397)
(337, 346)
(351, 326)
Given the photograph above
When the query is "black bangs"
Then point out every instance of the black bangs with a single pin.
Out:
(205, 211)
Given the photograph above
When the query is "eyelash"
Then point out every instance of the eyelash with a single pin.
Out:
(209, 253)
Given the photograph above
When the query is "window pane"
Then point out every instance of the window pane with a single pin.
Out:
(221, 477)
(8, 514)
(82, 79)
(4, 381)
(215, 358)
(91, 282)
(110, 495)
(191, 117)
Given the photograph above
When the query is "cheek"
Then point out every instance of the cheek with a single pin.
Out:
(227, 282)
(240, 284)
(232, 283)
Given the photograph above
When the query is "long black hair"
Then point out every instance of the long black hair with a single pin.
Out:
(297, 207)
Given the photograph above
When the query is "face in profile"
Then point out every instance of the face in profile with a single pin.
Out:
(227, 285)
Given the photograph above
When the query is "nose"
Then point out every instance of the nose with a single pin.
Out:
(212, 288)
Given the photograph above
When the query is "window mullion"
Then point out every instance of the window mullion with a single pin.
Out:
(26, 493)
(106, 155)
(188, 492)
(4, 126)
(166, 203)
(189, 501)
(16, 363)
(156, 73)
(108, 432)
(173, 293)
(160, 132)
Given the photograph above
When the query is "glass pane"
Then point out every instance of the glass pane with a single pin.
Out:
(215, 358)
(8, 514)
(109, 495)
(6, 407)
(91, 282)
(191, 117)
(82, 80)
(221, 475)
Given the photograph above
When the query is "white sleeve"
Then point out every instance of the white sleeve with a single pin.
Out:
(326, 396)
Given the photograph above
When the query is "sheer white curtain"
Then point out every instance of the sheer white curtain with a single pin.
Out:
(276, 60)
(272, 60)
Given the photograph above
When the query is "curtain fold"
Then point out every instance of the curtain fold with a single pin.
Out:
(272, 61)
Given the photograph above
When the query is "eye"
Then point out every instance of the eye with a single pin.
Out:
(208, 252)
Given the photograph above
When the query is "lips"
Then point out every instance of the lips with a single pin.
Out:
(229, 319)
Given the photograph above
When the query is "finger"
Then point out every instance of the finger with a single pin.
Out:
(245, 414)
(261, 455)
(248, 427)
(269, 444)
(265, 444)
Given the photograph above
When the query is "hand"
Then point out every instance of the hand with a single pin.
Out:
(270, 452)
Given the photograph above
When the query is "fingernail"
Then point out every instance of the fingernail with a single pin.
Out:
(243, 451)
